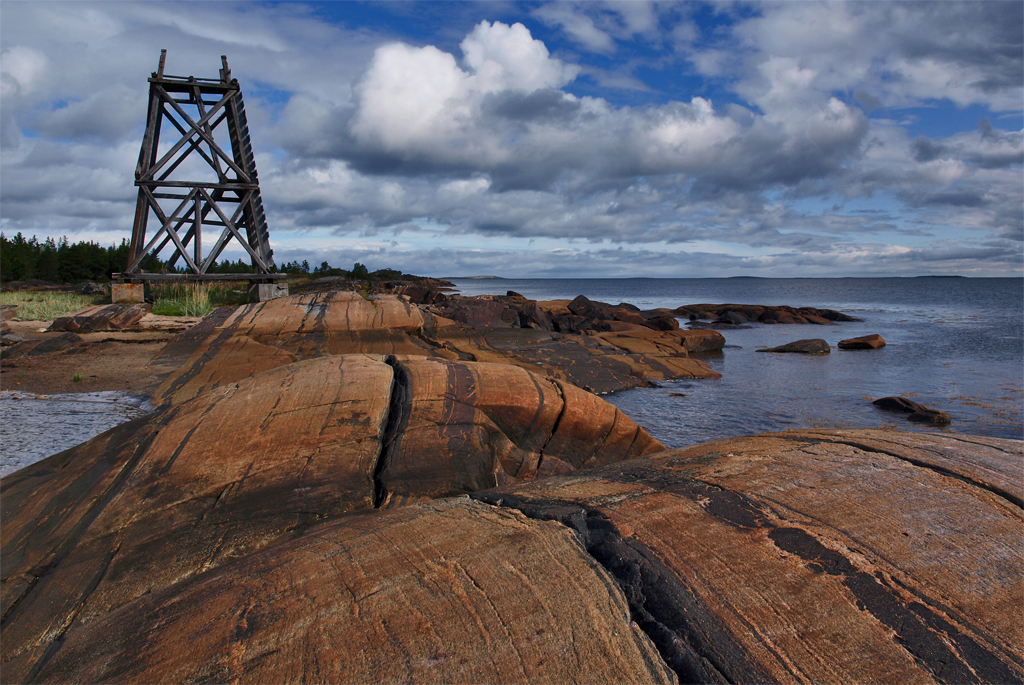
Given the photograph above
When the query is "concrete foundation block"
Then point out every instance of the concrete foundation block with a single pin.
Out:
(261, 292)
(127, 292)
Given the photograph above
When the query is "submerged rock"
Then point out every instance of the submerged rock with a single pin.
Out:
(809, 346)
(865, 342)
(915, 412)
(933, 416)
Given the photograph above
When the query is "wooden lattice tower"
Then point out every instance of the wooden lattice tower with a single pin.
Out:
(215, 187)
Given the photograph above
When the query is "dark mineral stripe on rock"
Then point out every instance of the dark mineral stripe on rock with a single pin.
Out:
(950, 655)
(250, 465)
(762, 533)
(448, 591)
(691, 639)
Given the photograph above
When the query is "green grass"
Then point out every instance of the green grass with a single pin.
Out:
(192, 299)
(33, 306)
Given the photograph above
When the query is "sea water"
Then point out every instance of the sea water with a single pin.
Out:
(955, 344)
(37, 426)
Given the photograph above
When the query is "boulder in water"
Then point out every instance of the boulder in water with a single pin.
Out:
(809, 346)
(865, 342)
(917, 413)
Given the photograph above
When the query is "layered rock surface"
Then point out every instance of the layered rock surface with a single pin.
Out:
(833, 556)
(233, 344)
(838, 556)
(104, 317)
(161, 499)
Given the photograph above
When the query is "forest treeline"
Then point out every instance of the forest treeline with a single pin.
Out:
(62, 261)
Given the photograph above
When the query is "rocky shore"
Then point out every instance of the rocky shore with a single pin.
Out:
(347, 486)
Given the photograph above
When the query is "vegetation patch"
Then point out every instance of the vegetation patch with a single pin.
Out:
(46, 306)
(193, 299)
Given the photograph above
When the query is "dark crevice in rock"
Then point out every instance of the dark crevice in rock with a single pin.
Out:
(686, 633)
(399, 410)
(697, 648)
(1010, 497)
(554, 426)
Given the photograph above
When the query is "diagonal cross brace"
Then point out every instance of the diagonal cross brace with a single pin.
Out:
(211, 103)
(196, 128)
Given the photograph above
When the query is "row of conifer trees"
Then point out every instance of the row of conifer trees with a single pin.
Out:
(62, 261)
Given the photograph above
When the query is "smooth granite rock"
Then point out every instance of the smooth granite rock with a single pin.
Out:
(230, 345)
(831, 556)
(452, 591)
(170, 496)
(807, 556)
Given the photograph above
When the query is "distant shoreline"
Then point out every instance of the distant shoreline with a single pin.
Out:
(713, 278)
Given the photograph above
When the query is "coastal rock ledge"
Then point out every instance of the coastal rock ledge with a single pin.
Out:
(300, 525)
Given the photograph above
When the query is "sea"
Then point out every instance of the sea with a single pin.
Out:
(955, 344)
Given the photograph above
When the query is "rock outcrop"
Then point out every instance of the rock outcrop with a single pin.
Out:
(735, 561)
(233, 344)
(914, 411)
(809, 346)
(63, 343)
(104, 317)
(341, 487)
(736, 314)
(251, 464)
(865, 342)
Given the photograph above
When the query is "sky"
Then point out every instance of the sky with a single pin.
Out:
(552, 140)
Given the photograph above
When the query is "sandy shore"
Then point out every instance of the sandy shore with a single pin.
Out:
(114, 360)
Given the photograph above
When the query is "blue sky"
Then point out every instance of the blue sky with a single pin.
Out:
(553, 139)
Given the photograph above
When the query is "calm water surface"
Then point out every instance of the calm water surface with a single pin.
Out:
(955, 344)
(36, 426)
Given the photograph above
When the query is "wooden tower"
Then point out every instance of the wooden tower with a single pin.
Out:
(202, 175)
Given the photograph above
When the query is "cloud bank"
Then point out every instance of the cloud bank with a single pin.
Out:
(805, 151)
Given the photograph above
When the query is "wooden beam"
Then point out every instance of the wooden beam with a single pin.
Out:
(177, 146)
(242, 187)
(200, 277)
(231, 227)
(197, 127)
